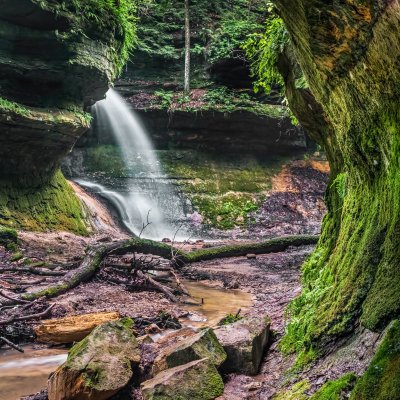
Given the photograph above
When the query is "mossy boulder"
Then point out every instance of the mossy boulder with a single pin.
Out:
(98, 366)
(196, 346)
(245, 342)
(197, 380)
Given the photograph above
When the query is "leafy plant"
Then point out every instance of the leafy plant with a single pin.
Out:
(264, 51)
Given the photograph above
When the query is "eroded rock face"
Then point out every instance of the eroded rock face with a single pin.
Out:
(98, 366)
(192, 346)
(245, 342)
(197, 380)
(53, 63)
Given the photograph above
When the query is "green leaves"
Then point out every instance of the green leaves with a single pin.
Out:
(264, 51)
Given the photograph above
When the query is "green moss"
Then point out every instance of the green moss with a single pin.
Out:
(331, 390)
(337, 389)
(230, 319)
(8, 237)
(381, 381)
(16, 256)
(223, 190)
(296, 392)
(219, 99)
(113, 22)
(15, 108)
(41, 206)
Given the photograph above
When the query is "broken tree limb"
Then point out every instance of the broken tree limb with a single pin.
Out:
(11, 344)
(27, 317)
(31, 270)
(20, 301)
(96, 254)
(157, 285)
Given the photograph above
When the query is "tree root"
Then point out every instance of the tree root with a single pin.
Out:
(96, 254)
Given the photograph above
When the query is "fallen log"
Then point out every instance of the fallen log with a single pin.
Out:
(96, 254)
(71, 329)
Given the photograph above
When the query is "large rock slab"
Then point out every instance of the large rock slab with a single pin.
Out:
(245, 342)
(71, 329)
(197, 380)
(192, 346)
(98, 366)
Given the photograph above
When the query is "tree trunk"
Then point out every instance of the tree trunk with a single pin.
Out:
(187, 48)
(96, 254)
(349, 52)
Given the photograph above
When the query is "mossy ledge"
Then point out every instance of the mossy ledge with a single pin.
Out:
(41, 206)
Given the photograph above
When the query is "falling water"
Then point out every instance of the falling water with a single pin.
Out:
(147, 195)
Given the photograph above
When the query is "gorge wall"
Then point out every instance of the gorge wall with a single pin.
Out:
(56, 58)
(349, 54)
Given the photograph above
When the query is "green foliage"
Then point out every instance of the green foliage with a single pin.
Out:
(10, 106)
(219, 99)
(238, 21)
(218, 28)
(264, 51)
(230, 319)
(381, 381)
(107, 20)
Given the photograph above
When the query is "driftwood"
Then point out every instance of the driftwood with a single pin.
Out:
(95, 255)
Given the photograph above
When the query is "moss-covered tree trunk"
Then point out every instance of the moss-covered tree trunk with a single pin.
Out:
(349, 52)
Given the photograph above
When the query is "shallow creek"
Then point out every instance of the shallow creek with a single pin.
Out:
(26, 373)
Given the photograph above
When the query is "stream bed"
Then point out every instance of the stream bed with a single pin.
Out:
(26, 373)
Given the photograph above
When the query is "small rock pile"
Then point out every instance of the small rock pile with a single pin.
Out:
(185, 364)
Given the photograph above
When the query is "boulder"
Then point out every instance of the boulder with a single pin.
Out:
(98, 366)
(71, 329)
(197, 380)
(245, 342)
(192, 346)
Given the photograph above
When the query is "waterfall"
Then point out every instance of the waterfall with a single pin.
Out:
(147, 194)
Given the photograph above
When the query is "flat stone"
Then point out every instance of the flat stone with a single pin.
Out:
(191, 346)
(71, 329)
(99, 366)
(245, 342)
(197, 380)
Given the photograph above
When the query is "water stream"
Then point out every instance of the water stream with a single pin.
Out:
(27, 373)
(147, 195)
